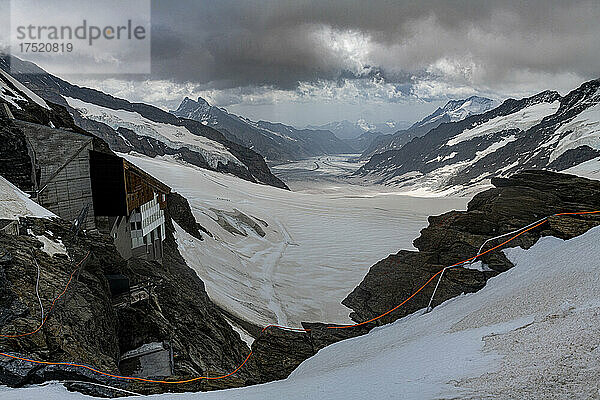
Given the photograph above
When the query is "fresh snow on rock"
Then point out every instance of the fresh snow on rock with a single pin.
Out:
(456, 110)
(52, 246)
(532, 333)
(9, 95)
(14, 203)
(32, 96)
(471, 106)
(318, 245)
(522, 120)
(174, 136)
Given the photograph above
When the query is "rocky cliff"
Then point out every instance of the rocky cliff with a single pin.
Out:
(92, 326)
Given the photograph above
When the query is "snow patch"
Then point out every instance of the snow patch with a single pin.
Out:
(14, 203)
(244, 335)
(32, 96)
(589, 169)
(52, 247)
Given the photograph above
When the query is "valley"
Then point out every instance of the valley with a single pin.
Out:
(319, 241)
(302, 200)
(323, 173)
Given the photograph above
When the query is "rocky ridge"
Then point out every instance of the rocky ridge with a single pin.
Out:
(275, 141)
(54, 90)
(454, 110)
(543, 131)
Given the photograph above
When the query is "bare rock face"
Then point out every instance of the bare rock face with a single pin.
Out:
(81, 327)
(15, 160)
(179, 210)
(277, 352)
(457, 235)
(392, 280)
(87, 326)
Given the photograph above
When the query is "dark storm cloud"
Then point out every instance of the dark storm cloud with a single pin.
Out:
(225, 44)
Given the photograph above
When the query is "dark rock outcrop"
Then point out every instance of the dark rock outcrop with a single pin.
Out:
(277, 352)
(178, 209)
(15, 160)
(457, 235)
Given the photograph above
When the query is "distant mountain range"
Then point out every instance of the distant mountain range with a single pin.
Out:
(353, 130)
(545, 131)
(454, 110)
(138, 127)
(275, 141)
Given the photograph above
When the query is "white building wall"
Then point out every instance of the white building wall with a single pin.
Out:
(151, 218)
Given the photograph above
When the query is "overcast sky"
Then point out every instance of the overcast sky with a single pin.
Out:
(306, 62)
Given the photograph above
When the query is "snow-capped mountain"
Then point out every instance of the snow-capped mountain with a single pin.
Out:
(352, 130)
(275, 141)
(543, 131)
(127, 126)
(454, 110)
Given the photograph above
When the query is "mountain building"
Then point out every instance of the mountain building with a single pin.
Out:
(75, 176)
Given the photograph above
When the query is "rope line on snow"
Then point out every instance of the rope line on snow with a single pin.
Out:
(521, 231)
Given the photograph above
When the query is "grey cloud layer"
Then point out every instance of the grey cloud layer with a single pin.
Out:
(280, 43)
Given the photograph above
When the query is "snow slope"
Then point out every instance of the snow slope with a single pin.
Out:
(531, 333)
(174, 136)
(538, 132)
(7, 93)
(583, 130)
(456, 110)
(589, 169)
(317, 246)
(522, 120)
(14, 203)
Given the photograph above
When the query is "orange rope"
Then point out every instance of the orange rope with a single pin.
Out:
(133, 378)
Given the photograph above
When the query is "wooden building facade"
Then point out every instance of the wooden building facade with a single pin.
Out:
(78, 179)
(129, 205)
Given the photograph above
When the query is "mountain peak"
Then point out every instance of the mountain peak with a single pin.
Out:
(201, 101)
(188, 107)
(456, 110)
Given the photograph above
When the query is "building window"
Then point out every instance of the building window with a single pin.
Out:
(133, 226)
